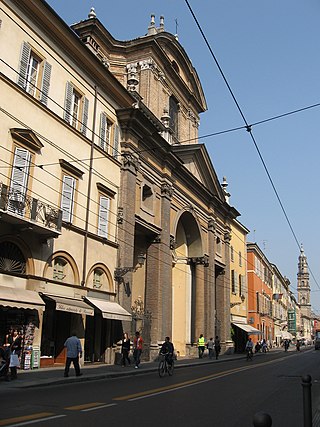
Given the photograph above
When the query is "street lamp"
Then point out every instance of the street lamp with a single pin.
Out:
(119, 272)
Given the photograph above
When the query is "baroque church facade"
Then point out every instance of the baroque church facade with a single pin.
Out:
(173, 220)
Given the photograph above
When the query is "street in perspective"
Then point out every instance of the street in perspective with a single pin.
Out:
(196, 393)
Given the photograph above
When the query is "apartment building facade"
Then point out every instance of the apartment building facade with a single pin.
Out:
(60, 180)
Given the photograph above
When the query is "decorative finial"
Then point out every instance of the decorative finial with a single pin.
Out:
(92, 13)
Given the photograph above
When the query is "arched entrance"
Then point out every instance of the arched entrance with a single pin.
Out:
(188, 246)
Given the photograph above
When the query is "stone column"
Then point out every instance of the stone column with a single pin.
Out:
(199, 299)
(210, 279)
(126, 222)
(159, 274)
(165, 275)
(223, 299)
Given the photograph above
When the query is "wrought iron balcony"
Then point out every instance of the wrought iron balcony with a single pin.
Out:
(29, 213)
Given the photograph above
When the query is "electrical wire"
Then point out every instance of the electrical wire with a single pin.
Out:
(247, 126)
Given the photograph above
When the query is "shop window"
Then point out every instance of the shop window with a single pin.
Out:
(59, 268)
(34, 73)
(76, 108)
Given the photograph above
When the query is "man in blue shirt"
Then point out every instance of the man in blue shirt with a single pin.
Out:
(74, 350)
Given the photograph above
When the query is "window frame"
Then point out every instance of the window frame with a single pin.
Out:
(67, 215)
(39, 89)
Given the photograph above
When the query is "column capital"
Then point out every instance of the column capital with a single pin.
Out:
(167, 190)
(130, 162)
(227, 237)
(212, 225)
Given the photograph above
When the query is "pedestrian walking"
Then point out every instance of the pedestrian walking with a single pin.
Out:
(201, 346)
(74, 351)
(210, 346)
(125, 350)
(217, 346)
(137, 349)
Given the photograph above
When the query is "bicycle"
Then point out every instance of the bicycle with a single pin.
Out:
(249, 354)
(165, 366)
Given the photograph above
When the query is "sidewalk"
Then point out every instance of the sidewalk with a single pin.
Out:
(54, 376)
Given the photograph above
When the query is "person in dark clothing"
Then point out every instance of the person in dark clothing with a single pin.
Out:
(16, 347)
(4, 361)
(167, 349)
(217, 346)
(125, 349)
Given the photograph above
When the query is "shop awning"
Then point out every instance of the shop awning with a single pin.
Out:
(110, 309)
(247, 328)
(71, 305)
(286, 335)
(20, 298)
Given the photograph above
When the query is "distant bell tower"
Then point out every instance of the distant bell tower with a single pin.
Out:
(303, 286)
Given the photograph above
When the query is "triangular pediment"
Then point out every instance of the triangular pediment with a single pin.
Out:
(196, 159)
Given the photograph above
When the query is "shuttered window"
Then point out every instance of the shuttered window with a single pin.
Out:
(105, 128)
(45, 83)
(104, 205)
(115, 151)
(67, 199)
(19, 180)
(34, 74)
(76, 109)
(233, 288)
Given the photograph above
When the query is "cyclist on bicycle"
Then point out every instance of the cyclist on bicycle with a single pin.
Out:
(167, 349)
(249, 347)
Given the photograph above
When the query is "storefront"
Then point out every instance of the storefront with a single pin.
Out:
(62, 316)
(22, 310)
(241, 333)
(103, 330)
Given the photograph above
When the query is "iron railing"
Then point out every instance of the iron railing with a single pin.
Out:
(29, 208)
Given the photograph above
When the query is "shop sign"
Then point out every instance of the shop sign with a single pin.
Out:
(73, 309)
(291, 321)
(35, 362)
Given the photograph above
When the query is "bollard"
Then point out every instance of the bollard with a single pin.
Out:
(261, 419)
(307, 401)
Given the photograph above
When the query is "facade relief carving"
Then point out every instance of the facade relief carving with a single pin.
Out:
(120, 215)
(130, 162)
(167, 190)
(203, 260)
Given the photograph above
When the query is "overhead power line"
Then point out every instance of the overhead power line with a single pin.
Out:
(248, 128)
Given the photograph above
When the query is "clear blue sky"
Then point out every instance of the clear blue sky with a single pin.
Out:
(269, 53)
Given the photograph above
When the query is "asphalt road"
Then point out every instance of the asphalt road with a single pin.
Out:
(227, 394)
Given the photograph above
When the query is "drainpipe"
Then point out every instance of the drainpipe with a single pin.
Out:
(85, 243)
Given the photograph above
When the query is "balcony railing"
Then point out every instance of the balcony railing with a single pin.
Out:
(21, 208)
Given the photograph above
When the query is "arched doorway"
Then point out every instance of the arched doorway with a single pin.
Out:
(188, 246)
